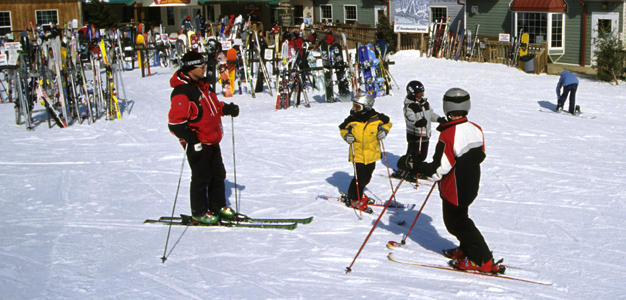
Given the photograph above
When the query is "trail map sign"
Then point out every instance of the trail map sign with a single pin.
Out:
(412, 16)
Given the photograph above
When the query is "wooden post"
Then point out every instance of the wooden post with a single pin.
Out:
(421, 44)
(399, 42)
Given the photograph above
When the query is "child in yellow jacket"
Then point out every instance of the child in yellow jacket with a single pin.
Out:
(363, 130)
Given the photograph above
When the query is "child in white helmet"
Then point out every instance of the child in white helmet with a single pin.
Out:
(363, 130)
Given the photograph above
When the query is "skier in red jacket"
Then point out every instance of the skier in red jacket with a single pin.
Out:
(456, 167)
(195, 118)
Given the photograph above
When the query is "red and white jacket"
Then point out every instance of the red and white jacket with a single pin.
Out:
(456, 162)
(195, 113)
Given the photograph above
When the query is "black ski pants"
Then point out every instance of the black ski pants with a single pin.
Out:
(458, 223)
(207, 190)
(418, 152)
(363, 175)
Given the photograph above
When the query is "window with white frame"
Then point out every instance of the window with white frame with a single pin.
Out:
(438, 13)
(556, 37)
(5, 22)
(326, 13)
(47, 16)
(547, 27)
(349, 14)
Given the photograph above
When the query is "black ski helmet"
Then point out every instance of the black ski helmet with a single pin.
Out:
(456, 100)
(191, 60)
(413, 88)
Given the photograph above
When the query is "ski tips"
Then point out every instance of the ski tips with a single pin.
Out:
(393, 244)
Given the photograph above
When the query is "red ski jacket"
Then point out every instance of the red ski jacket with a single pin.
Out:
(456, 162)
(195, 113)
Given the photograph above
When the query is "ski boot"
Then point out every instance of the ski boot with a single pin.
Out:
(559, 107)
(455, 253)
(345, 199)
(209, 218)
(362, 206)
(227, 213)
(467, 265)
(398, 174)
(576, 110)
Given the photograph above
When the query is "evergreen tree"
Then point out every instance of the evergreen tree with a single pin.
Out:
(385, 28)
(101, 15)
(610, 59)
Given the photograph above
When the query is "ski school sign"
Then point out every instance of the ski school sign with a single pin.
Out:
(166, 2)
(412, 16)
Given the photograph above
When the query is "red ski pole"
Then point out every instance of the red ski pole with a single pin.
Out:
(349, 269)
(396, 244)
(388, 173)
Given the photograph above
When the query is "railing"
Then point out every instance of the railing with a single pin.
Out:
(492, 51)
(500, 53)
(363, 34)
(412, 41)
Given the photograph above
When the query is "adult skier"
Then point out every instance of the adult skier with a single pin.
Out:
(363, 130)
(456, 167)
(418, 117)
(382, 45)
(195, 118)
(569, 83)
(186, 25)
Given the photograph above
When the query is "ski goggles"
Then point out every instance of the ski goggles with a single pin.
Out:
(198, 63)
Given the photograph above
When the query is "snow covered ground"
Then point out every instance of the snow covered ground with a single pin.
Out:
(551, 202)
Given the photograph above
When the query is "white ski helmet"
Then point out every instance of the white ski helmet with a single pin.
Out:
(456, 99)
(365, 100)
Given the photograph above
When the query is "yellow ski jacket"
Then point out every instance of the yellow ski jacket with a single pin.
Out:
(365, 129)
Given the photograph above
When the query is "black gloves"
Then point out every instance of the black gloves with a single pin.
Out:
(420, 123)
(441, 120)
(230, 109)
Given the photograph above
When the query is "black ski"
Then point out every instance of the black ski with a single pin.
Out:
(577, 113)
(246, 219)
(185, 220)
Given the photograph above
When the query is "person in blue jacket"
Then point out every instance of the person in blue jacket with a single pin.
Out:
(569, 83)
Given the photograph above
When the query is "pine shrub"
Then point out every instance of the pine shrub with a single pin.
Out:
(610, 59)
(385, 28)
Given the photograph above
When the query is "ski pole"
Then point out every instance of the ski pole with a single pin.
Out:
(356, 177)
(419, 148)
(234, 162)
(403, 242)
(349, 269)
(388, 173)
(182, 165)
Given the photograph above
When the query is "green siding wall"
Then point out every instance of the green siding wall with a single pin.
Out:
(365, 10)
(493, 16)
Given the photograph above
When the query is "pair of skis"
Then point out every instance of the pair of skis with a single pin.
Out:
(245, 222)
(397, 257)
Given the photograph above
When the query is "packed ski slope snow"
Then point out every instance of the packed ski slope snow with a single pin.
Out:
(551, 202)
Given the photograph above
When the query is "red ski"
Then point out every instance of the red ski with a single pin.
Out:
(447, 268)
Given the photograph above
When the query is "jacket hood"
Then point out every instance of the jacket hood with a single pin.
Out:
(446, 125)
(180, 78)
